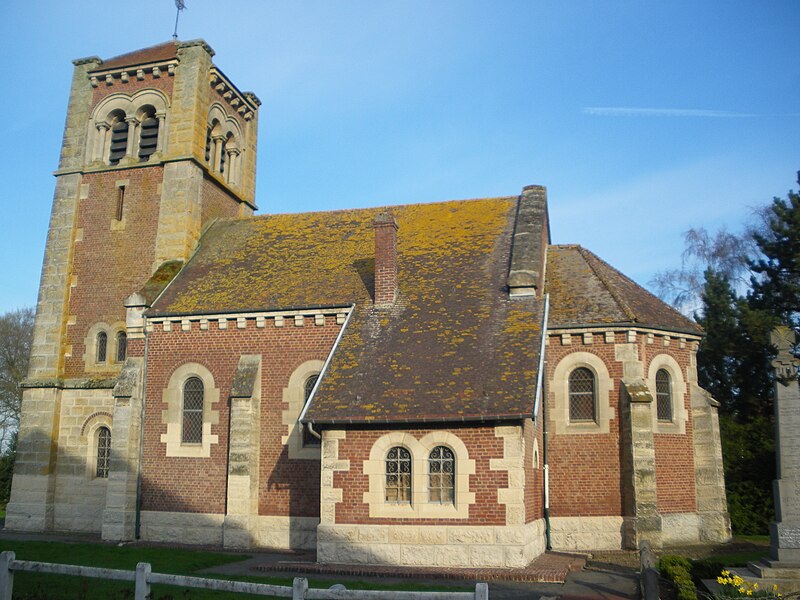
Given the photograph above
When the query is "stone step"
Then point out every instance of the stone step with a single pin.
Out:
(766, 568)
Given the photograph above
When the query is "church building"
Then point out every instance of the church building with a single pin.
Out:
(424, 384)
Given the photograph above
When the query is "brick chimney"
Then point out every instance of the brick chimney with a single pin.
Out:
(385, 259)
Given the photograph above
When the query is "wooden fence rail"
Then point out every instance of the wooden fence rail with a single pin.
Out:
(143, 577)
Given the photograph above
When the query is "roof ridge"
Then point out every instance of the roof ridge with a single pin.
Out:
(620, 302)
(370, 208)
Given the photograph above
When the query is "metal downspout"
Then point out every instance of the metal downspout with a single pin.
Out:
(541, 393)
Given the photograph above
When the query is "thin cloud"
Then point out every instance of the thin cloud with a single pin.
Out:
(624, 111)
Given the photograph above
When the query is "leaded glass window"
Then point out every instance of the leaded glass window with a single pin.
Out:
(102, 346)
(103, 452)
(663, 395)
(441, 473)
(122, 346)
(192, 432)
(398, 475)
(582, 395)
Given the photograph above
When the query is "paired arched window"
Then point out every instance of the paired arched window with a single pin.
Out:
(663, 395)
(398, 475)
(582, 395)
(223, 136)
(441, 475)
(193, 397)
(103, 452)
(102, 347)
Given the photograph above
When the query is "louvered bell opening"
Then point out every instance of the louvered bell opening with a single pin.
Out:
(208, 145)
(223, 156)
(148, 138)
(119, 142)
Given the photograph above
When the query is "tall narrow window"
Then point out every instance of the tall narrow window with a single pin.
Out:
(308, 437)
(102, 346)
(119, 140)
(122, 346)
(192, 432)
(103, 452)
(663, 395)
(398, 476)
(148, 137)
(441, 475)
(582, 406)
(120, 202)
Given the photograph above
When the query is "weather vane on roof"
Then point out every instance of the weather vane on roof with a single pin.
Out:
(181, 5)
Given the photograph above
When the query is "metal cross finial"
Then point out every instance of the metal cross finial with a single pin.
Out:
(180, 5)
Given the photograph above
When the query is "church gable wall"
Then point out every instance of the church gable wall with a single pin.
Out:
(211, 350)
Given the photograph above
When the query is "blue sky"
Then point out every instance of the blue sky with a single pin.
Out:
(642, 118)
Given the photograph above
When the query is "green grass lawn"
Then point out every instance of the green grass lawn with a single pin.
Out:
(162, 560)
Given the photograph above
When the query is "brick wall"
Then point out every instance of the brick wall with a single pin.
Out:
(110, 263)
(102, 91)
(482, 445)
(585, 469)
(534, 501)
(217, 202)
(287, 487)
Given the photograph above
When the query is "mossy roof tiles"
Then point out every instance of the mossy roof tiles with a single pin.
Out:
(454, 346)
(586, 291)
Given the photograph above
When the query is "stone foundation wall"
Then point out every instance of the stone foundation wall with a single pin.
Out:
(586, 533)
(283, 533)
(431, 545)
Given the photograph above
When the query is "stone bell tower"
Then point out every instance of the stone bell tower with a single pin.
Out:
(157, 144)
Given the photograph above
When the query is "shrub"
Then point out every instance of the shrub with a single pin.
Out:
(679, 571)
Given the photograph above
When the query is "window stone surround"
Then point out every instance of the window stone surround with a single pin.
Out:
(560, 389)
(420, 505)
(172, 416)
(678, 394)
(293, 402)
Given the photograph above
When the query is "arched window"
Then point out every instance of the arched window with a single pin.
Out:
(102, 346)
(148, 134)
(663, 395)
(192, 432)
(308, 437)
(103, 452)
(122, 346)
(398, 475)
(119, 138)
(441, 475)
(582, 406)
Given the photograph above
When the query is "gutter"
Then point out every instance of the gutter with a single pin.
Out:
(324, 370)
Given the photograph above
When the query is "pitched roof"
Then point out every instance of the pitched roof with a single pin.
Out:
(454, 347)
(158, 53)
(586, 291)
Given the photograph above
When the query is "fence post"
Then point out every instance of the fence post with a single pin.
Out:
(142, 590)
(299, 587)
(481, 591)
(6, 574)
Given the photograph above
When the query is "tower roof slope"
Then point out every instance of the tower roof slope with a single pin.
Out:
(452, 347)
(585, 290)
(157, 53)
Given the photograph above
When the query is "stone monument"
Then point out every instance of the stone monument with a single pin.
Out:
(784, 560)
